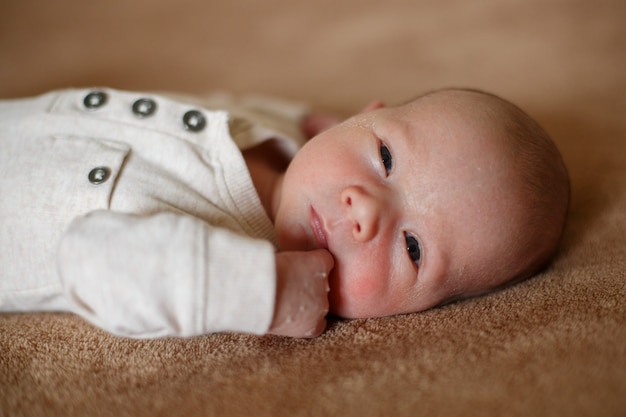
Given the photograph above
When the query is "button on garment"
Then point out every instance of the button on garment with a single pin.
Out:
(194, 121)
(144, 107)
(95, 99)
(99, 175)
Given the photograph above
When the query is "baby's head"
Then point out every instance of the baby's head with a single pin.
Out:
(451, 195)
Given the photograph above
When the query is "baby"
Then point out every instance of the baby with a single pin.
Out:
(395, 210)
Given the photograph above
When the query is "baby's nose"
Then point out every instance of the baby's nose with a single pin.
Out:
(363, 210)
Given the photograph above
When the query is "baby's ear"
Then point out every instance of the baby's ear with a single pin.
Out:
(376, 104)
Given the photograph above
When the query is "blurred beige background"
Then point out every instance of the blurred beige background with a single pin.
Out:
(337, 54)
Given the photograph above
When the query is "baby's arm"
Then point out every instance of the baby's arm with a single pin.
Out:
(166, 275)
(174, 275)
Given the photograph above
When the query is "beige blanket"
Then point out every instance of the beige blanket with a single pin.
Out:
(554, 345)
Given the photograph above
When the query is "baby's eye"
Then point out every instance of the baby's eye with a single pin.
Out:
(385, 156)
(413, 248)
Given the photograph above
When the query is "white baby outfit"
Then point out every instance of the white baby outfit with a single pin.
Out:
(137, 211)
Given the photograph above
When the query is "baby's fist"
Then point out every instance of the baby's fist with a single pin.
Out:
(301, 293)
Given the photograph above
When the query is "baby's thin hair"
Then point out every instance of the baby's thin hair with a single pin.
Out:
(544, 177)
(543, 180)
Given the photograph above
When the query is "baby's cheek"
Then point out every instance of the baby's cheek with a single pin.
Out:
(353, 292)
(370, 283)
(365, 287)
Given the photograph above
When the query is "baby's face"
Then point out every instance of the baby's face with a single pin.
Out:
(411, 202)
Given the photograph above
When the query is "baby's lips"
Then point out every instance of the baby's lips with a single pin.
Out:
(318, 230)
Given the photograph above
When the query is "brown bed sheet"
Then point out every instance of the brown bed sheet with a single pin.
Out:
(554, 345)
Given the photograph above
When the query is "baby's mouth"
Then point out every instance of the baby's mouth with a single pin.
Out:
(317, 227)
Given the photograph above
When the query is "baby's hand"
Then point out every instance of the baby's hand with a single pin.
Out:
(301, 293)
(315, 123)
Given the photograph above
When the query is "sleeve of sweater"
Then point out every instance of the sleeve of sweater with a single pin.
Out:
(166, 275)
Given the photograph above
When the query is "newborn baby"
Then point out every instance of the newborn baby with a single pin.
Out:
(449, 196)
(395, 210)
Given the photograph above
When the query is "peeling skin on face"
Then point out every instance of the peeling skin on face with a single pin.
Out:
(447, 188)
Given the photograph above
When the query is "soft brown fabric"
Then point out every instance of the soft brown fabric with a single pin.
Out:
(554, 345)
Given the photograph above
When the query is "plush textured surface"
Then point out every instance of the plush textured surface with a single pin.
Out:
(554, 345)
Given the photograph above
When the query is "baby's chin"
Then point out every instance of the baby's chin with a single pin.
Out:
(362, 312)
(342, 306)
(348, 308)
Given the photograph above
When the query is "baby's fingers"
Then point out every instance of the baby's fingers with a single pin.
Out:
(320, 283)
(302, 293)
(325, 259)
(318, 330)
